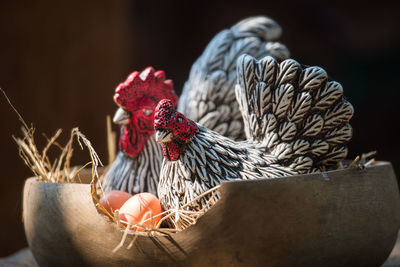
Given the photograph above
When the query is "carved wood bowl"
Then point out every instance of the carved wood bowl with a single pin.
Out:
(347, 217)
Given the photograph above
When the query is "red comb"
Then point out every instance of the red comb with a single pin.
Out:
(163, 113)
(147, 84)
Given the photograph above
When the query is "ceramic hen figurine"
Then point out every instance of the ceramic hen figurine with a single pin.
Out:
(296, 121)
(208, 97)
(137, 165)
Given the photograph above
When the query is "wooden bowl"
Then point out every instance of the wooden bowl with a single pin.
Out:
(346, 217)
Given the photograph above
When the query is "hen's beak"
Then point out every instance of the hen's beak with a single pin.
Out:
(121, 117)
(163, 136)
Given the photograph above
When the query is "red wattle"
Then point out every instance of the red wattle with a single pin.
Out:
(171, 151)
(132, 141)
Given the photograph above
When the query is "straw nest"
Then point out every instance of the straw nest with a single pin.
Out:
(59, 170)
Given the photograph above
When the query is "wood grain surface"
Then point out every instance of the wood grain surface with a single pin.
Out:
(347, 217)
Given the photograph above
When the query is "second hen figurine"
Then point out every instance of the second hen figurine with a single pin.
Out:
(296, 122)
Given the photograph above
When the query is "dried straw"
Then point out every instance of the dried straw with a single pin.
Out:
(58, 171)
(363, 161)
(187, 218)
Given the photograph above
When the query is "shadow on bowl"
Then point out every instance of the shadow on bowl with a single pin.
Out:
(346, 217)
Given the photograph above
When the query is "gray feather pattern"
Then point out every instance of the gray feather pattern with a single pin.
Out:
(271, 139)
(337, 153)
(313, 125)
(282, 151)
(302, 164)
(135, 176)
(304, 105)
(300, 147)
(300, 107)
(319, 147)
(340, 135)
(312, 78)
(213, 76)
(288, 71)
(287, 131)
(339, 114)
(282, 100)
(325, 98)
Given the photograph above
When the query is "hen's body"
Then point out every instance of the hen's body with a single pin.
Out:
(207, 160)
(208, 97)
(139, 174)
(295, 119)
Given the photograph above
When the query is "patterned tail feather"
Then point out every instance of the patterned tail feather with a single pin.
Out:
(295, 112)
(208, 96)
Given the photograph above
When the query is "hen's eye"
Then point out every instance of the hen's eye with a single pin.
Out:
(179, 119)
(147, 112)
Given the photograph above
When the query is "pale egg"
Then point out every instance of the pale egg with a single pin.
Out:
(113, 200)
(143, 208)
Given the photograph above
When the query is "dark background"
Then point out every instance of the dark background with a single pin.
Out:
(60, 63)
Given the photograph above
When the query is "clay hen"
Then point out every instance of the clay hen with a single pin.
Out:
(208, 97)
(296, 121)
(137, 166)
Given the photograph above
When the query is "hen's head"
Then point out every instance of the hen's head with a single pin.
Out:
(137, 98)
(172, 128)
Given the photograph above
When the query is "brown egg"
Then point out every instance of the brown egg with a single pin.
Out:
(113, 200)
(139, 208)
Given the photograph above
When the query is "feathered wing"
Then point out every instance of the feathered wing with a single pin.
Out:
(296, 112)
(135, 174)
(207, 160)
(208, 96)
